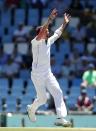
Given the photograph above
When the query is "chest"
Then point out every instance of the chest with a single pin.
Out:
(41, 49)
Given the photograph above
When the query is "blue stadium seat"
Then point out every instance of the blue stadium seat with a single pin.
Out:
(3, 92)
(6, 18)
(18, 83)
(75, 91)
(11, 108)
(59, 58)
(11, 29)
(92, 3)
(22, 48)
(79, 46)
(91, 92)
(65, 48)
(24, 102)
(4, 83)
(11, 103)
(8, 48)
(70, 102)
(33, 17)
(76, 82)
(24, 74)
(53, 49)
(46, 12)
(63, 82)
(57, 23)
(3, 87)
(19, 16)
(11, 99)
(7, 38)
(1, 30)
(74, 22)
(30, 89)
(17, 86)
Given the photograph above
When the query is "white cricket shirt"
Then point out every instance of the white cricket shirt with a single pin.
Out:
(41, 53)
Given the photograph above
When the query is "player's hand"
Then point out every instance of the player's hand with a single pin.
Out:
(53, 14)
(67, 18)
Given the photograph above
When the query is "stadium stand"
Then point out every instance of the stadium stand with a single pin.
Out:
(20, 86)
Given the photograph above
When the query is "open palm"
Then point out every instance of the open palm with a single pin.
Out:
(67, 18)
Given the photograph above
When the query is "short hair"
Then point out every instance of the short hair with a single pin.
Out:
(91, 66)
(38, 29)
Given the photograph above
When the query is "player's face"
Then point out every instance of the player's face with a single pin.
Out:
(46, 34)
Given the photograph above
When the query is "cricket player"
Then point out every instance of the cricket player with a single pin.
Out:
(41, 74)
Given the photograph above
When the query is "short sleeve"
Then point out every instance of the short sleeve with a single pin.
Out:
(85, 76)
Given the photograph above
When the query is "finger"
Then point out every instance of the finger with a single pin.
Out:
(54, 10)
(64, 14)
(68, 16)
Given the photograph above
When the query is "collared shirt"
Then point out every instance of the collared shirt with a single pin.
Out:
(41, 53)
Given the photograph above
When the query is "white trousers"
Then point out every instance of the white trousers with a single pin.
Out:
(41, 82)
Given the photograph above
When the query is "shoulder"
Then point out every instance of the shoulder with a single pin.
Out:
(86, 73)
(33, 40)
(94, 71)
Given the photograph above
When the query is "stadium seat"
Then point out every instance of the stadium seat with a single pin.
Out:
(76, 82)
(46, 12)
(33, 17)
(30, 89)
(6, 18)
(59, 58)
(22, 48)
(70, 102)
(7, 38)
(17, 86)
(1, 31)
(8, 48)
(24, 74)
(91, 92)
(17, 82)
(79, 46)
(75, 91)
(11, 99)
(57, 24)
(11, 108)
(63, 82)
(11, 29)
(53, 49)
(11, 103)
(4, 83)
(3, 92)
(65, 48)
(19, 16)
(74, 22)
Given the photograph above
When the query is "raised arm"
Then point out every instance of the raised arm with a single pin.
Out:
(66, 20)
(51, 17)
(59, 31)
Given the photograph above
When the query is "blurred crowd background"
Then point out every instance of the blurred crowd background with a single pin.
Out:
(70, 55)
